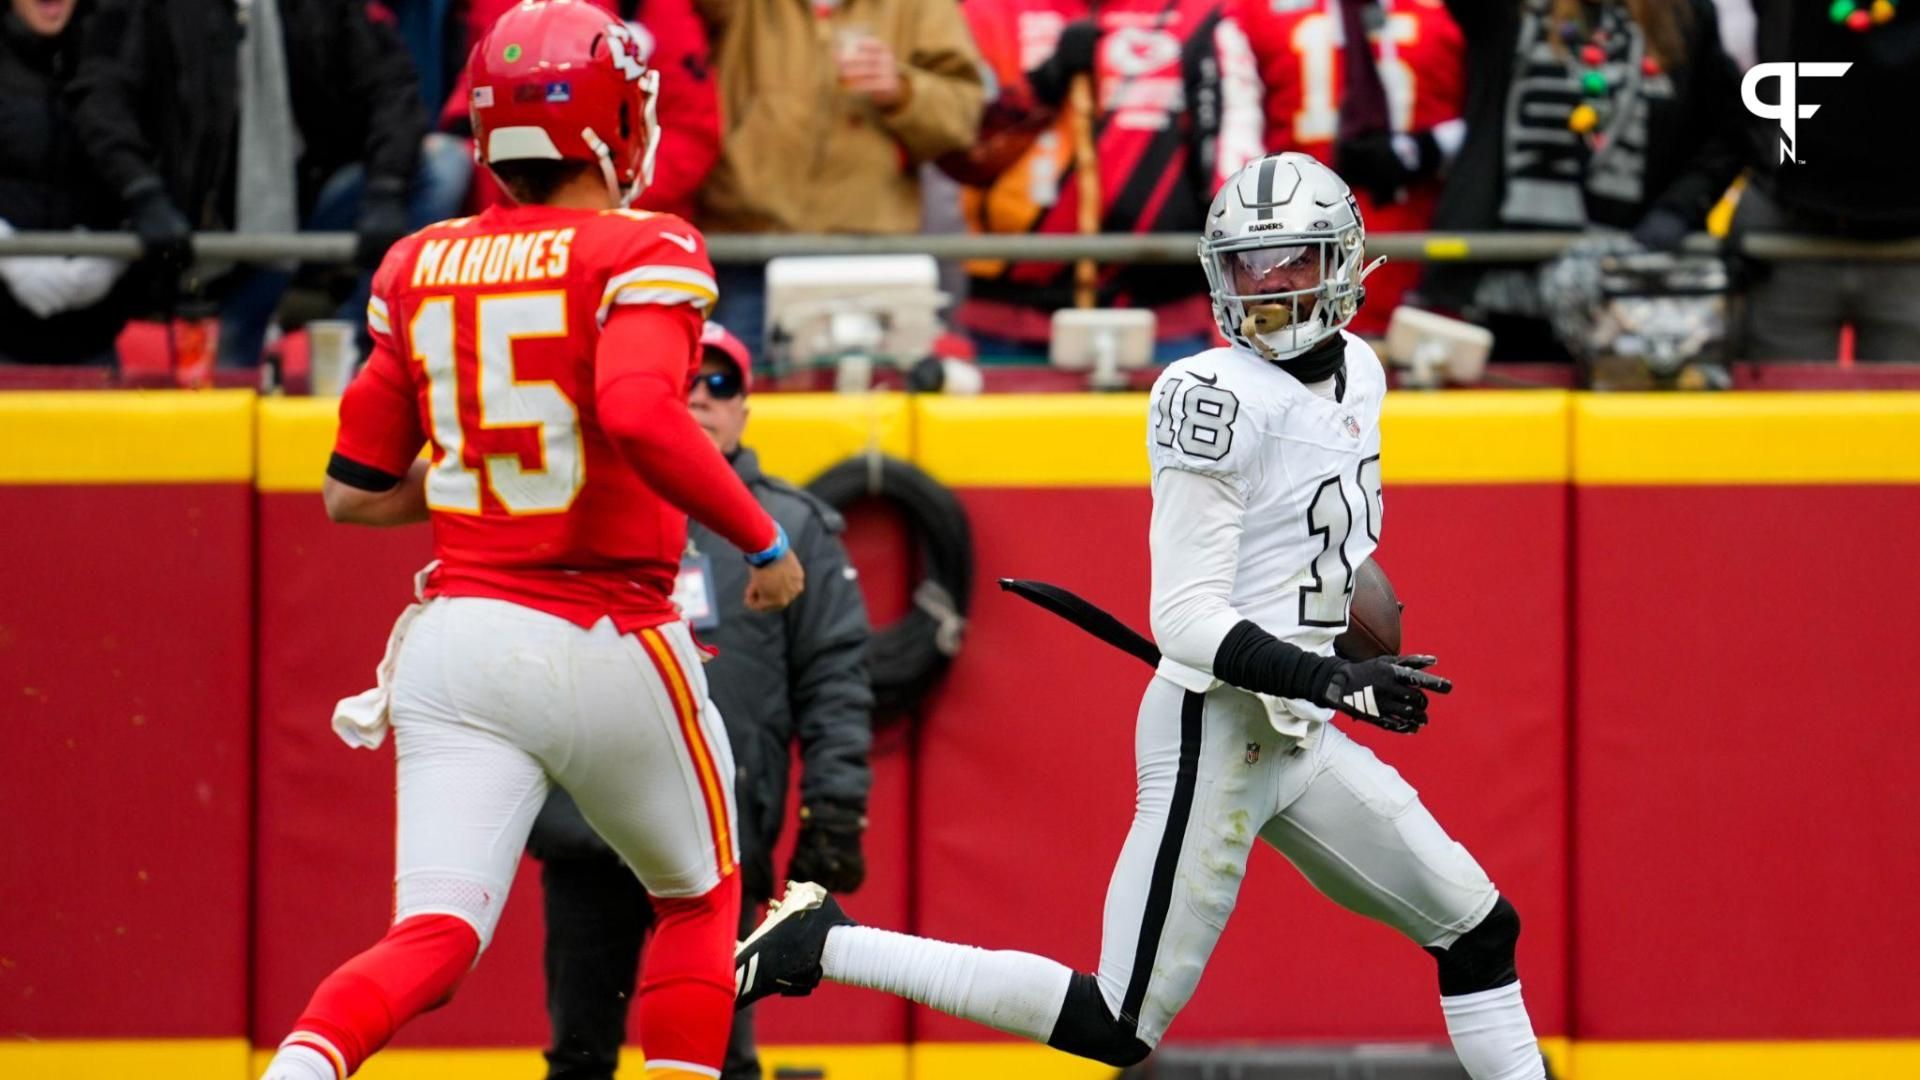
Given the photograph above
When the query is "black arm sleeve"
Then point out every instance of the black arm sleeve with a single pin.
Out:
(1252, 659)
(386, 90)
(108, 81)
(365, 477)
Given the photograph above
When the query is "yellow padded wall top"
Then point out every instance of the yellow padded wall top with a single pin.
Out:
(1751, 438)
(126, 437)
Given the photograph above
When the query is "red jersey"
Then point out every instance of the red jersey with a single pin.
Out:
(486, 338)
(1421, 56)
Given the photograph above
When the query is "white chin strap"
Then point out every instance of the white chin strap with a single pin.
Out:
(599, 147)
(650, 85)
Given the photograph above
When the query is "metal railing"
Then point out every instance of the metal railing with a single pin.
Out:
(1112, 248)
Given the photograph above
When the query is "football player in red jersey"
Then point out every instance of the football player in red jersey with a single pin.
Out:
(1392, 160)
(544, 351)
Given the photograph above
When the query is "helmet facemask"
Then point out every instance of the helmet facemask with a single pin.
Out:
(1282, 293)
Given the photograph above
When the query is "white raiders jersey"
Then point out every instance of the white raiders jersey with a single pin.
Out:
(1308, 469)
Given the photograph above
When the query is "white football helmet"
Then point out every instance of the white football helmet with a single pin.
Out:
(1283, 248)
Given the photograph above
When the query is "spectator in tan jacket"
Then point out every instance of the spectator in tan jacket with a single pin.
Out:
(830, 107)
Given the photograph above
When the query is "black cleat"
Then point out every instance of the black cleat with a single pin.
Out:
(782, 955)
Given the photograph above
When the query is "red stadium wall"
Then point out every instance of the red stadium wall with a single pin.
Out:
(1640, 599)
(1742, 812)
(126, 662)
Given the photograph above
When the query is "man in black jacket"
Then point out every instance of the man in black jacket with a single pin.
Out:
(53, 309)
(194, 119)
(1851, 176)
(791, 677)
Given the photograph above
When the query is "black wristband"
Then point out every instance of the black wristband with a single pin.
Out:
(1252, 659)
(365, 477)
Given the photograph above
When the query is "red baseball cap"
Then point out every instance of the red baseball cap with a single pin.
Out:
(715, 337)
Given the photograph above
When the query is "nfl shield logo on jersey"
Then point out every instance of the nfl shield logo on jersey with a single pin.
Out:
(1352, 426)
(1253, 753)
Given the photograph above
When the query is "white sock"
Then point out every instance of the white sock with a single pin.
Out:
(299, 1063)
(1015, 992)
(1493, 1036)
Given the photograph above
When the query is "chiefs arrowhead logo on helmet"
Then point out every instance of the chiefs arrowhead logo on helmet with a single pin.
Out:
(562, 80)
(629, 58)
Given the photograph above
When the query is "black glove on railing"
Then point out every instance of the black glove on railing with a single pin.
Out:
(165, 236)
(1661, 230)
(1073, 55)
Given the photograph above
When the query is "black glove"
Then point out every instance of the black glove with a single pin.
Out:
(165, 236)
(1072, 56)
(827, 851)
(383, 219)
(1661, 230)
(1386, 691)
(1370, 161)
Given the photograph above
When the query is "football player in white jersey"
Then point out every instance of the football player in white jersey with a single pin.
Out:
(1266, 499)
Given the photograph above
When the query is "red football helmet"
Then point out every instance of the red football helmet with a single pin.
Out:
(563, 80)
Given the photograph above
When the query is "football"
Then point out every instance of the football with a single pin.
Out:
(1373, 617)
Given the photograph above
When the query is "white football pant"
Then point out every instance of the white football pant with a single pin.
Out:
(493, 701)
(1213, 775)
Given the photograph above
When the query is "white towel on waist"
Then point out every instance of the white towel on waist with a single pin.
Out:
(362, 720)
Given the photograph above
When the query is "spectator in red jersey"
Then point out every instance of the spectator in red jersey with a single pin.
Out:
(674, 42)
(1177, 110)
(1372, 88)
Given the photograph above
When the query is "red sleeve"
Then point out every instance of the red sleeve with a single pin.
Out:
(379, 424)
(689, 107)
(641, 367)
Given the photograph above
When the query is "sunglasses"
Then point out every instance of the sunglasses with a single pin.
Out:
(721, 385)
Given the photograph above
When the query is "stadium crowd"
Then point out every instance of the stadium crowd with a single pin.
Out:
(1618, 119)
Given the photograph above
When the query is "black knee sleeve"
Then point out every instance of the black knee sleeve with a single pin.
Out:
(1482, 958)
(1087, 1029)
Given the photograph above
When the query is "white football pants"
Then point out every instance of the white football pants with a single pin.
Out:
(1212, 776)
(493, 701)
